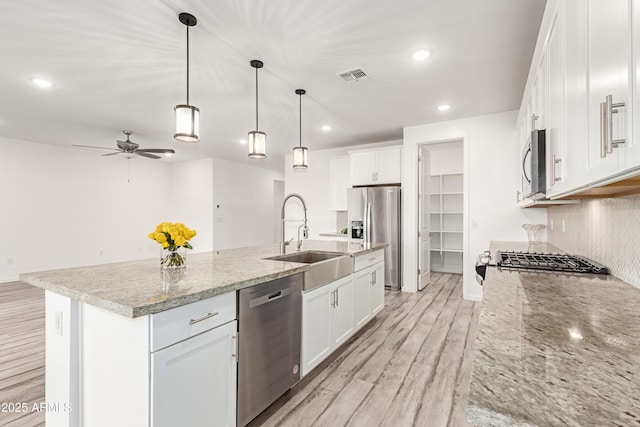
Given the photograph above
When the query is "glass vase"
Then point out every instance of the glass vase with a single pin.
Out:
(173, 258)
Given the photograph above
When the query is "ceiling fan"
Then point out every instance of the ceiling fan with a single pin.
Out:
(129, 147)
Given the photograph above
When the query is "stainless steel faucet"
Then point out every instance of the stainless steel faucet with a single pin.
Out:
(305, 229)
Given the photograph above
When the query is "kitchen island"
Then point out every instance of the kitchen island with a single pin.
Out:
(115, 334)
(555, 349)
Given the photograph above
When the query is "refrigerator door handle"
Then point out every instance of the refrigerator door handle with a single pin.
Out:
(367, 236)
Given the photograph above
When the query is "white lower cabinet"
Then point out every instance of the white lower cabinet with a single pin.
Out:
(369, 293)
(332, 313)
(376, 291)
(327, 321)
(193, 382)
(362, 291)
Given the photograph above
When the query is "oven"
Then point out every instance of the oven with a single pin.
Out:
(534, 183)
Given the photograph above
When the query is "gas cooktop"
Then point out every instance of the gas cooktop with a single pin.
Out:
(548, 262)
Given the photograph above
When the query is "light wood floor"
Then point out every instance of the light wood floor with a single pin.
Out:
(410, 366)
(21, 352)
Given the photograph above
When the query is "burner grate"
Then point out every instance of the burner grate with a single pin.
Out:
(549, 262)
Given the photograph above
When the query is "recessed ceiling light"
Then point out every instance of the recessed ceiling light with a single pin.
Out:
(168, 154)
(421, 55)
(444, 107)
(326, 128)
(41, 82)
(243, 141)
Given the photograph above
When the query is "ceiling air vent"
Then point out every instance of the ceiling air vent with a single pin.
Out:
(353, 75)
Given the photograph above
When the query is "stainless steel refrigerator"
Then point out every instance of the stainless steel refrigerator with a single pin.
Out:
(375, 216)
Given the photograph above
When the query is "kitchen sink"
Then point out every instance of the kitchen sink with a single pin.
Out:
(324, 267)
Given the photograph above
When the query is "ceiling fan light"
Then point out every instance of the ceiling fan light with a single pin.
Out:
(257, 145)
(300, 160)
(187, 123)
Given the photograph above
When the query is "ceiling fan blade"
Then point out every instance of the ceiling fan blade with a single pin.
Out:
(158, 150)
(143, 154)
(113, 154)
(92, 146)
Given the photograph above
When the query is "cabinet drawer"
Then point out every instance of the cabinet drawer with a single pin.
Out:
(365, 260)
(177, 324)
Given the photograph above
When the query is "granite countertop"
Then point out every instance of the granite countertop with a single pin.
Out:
(555, 350)
(138, 288)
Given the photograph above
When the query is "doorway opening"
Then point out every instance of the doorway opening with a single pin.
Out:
(440, 209)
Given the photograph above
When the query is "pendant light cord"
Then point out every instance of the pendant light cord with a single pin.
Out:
(257, 128)
(300, 119)
(188, 65)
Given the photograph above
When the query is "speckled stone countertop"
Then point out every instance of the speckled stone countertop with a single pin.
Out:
(555, 350)
(138, 288)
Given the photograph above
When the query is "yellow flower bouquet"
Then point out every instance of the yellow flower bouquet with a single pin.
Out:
(174, 238)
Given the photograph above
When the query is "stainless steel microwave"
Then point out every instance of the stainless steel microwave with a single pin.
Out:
(534, 183)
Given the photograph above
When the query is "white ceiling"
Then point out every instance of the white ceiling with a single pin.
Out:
(122, 65)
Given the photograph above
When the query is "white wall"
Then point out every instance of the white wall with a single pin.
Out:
(243, 199)
(191, 193)
(65, 207)
(491, 168)
(446, 158)
(313, 185)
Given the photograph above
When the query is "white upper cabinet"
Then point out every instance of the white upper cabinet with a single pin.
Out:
(589, 53)
(555, 116)
(576, 96)
(609, 94)
(375, 167)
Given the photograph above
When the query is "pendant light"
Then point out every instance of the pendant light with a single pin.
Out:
(300, 152)
(257, 139)
(187, 116)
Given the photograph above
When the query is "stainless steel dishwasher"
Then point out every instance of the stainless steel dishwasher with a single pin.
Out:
(270, 327)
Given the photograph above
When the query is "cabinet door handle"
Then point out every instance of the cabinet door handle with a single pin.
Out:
(518, 193)
(603, 131)
(554, 162)
(337, 298)
(611, 110)
(205, 317)
(373, 278)
(234, 353)
(333, 299)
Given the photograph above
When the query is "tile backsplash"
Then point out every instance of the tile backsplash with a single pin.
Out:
(604, 230)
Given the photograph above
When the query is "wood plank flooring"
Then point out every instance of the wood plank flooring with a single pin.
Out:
(410, 366)
(21, 352)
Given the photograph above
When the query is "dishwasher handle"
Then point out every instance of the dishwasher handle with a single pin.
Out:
(271, 297)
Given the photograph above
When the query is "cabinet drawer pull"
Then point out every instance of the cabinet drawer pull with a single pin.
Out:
(234, 347)
(205, 317)
(372, 258)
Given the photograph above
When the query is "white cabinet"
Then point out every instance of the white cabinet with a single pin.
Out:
(193, 382)
(376, 289)
(369, 286)
(173, 368)
(362, 291)
(576, 96)
(374, 167)
(327, 320)
(555, 110)
(338, 183)
(609, 94)
(342, 314)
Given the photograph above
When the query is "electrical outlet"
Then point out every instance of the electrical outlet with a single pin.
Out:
(551, 224)
(563, 227)
(220, 220)
(100, 252)
(9, 261)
